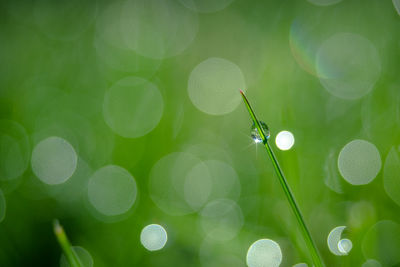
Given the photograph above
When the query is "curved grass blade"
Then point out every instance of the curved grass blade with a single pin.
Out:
(303, 227)
(65, 245)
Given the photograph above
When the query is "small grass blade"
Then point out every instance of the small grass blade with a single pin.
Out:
(65, 245)
(303, 227)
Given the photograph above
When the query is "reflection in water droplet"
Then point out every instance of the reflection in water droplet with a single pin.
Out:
(256, 136)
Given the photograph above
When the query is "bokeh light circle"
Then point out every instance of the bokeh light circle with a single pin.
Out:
(396, 4)
(371, 263)
(264, 252)
(382, 242)
(345, 245)
(153, 237)
(221, 219)
(158, 29)
(115, 55)
(14, 150)
(391, 175)
(348, 65)
(167, 181)
(284, 140)
(360, 214)
(83, 255)
(303, 44)
(334, 239)
(300, 265)
(2, 206)
(112, 190)
(54, 160)
(206, 6)
(214, 86)
(133, 107)
(359, 162)
(333, 179)
(210, 180)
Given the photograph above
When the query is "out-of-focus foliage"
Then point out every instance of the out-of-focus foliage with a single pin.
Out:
(116, 115)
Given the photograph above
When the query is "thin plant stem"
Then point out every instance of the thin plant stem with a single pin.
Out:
(65, 245)
(303, 227)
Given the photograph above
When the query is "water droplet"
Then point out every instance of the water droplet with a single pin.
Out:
(254, 132)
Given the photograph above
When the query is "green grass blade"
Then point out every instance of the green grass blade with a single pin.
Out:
(303, 227)
(65, 245)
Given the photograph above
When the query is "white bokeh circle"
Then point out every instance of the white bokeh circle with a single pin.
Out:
(264, 252)
(112, 190)
(54, 160)
(284, 140)
(153, 237)
(359, 162)
(391, 175)
(2, 206)
(214, 86)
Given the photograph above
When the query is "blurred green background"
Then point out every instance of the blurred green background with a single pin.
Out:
(152, 89)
